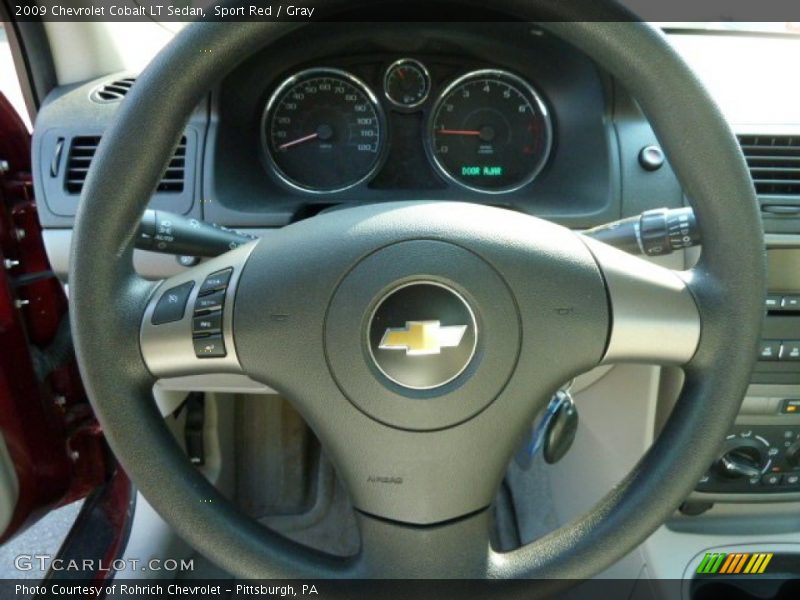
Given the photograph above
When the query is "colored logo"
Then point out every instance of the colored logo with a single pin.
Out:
(422, 337)
(742, 563)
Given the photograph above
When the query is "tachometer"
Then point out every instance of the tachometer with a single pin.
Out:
(490, 132)
(323, 130)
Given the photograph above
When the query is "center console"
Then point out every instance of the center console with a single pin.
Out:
(759, 460)
(779, 351)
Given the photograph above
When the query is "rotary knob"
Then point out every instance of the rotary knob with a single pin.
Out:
(663, 231)
(743, 457)
(793, 454)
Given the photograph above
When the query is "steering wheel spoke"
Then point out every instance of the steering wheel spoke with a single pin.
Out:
(392, 550)
(187, 326)
(654, 317)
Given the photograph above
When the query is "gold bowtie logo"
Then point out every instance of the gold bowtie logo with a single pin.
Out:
(422, 337)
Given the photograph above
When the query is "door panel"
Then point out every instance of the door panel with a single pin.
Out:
(50, 435)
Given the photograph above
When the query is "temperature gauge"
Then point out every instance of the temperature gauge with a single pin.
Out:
(407, 83)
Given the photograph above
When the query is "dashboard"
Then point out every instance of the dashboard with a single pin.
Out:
(372, 113)
(324, 130)
(332, 115)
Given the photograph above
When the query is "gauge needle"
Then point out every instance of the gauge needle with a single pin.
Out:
(305, 138)
(458, 131)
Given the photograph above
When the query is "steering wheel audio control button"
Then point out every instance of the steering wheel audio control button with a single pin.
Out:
(198, 339)
(209, 302)
(172, 304)
(210, 323)
(210, 346)
(216, 281)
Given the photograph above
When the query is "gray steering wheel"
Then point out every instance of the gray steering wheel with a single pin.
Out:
(302, 307)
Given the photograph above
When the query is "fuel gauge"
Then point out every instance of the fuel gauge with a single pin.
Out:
(407, 83)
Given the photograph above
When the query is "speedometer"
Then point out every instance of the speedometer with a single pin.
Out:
(490, 132)
(323, 131)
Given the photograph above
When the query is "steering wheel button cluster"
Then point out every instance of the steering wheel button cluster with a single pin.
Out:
(172, 304)
(207, 334)
(216, 281)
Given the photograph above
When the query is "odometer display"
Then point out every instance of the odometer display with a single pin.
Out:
(490, 132)
(323, 131)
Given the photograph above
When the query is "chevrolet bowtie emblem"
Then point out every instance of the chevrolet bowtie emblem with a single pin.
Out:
(418, 338)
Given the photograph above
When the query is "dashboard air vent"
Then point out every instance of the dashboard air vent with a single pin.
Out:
(81, 152)
(113, 91)
(774, 162)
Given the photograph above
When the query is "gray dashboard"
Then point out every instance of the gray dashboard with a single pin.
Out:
(592, 174)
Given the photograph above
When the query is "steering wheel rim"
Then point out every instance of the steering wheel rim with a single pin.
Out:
(109, 300)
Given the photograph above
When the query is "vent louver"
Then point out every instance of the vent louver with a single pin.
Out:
(81, 153)
(113, 91)
(774, 162)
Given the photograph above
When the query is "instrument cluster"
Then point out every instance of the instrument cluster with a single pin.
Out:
(325, 130)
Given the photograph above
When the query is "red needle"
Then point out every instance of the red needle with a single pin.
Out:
(458, 131)
(305, 138)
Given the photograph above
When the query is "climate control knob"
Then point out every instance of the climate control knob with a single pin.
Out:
(743, 457)
(792, 454)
